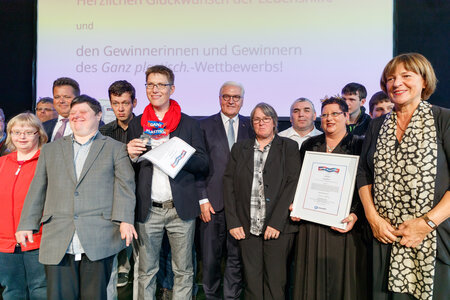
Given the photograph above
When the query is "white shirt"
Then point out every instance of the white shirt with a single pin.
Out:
(293, 135)
(226, 124)
(161, 190)
(58, 125)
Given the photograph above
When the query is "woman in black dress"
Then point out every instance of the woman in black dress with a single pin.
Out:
(331, 262)
(403, 181)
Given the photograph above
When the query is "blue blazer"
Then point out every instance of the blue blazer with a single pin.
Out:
(219, 153)
(184, 189)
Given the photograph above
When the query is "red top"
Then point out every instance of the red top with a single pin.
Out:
(15, 179)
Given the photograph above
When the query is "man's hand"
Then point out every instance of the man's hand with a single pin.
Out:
(23, 236)
(127, 232)
(136, 147)
(207, 210)
(238, 233)
(271, 233)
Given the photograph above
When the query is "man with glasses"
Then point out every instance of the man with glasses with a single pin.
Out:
(221, 131)
(65, 89)
(303, 116)
(164, 204)
(45, 110)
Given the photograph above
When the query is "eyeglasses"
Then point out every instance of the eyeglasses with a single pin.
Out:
(159, 86)
(235, 98)
(27, 133)
(44, 109)
(333, 114)
(265, 120)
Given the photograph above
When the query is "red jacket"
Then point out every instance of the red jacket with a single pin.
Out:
(15, 179)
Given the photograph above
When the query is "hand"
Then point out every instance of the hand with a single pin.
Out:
(136, 147)
(22, 236)
(238, 233)
(382, 230)
(271, 233)
(207, 210)
(127, 232)
(350, 220)
(413, 232)
(295, 219)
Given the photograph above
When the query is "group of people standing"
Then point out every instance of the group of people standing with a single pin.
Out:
(83, 197)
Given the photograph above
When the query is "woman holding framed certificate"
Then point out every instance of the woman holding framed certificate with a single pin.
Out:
(403, 181)
(259, 185)
(331, 262)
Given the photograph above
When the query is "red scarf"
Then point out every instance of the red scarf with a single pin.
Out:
(156, 128)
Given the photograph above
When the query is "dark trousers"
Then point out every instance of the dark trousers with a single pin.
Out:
(83, 279)
(216, 243)
(265, 266)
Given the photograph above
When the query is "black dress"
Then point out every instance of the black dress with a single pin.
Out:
(381, 252)
(329, 264)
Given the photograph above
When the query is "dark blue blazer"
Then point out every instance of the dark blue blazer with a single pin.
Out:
(49, 126)
(219, 153)
(184, 189)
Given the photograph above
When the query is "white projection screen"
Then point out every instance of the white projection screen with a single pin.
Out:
(279, 50)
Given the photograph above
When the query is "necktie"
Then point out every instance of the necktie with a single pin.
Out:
(60, 133)
(230, 134)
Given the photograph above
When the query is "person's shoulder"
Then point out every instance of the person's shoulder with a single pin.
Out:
(286, 132)
(50, 122)
(208, 121)
(313, 141)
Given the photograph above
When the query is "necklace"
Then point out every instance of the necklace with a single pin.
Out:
(329, 149)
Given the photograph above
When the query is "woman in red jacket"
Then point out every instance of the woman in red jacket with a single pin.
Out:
(20, 271)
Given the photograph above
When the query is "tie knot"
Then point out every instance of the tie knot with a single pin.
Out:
(65, 120)
(231, 121)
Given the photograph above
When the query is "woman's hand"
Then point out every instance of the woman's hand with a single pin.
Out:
(413, 232)
(238, 233)
(382, 230)
(350, 220)
(271, 233)
(295, 219)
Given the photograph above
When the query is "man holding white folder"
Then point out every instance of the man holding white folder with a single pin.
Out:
(163, 203)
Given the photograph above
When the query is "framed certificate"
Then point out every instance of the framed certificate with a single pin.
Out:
(325, 188)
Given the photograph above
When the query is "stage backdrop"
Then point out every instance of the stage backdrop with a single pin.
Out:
(278, 49)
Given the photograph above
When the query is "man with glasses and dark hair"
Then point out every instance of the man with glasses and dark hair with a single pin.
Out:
(355, 95)
(221, 131)
(165, 204)
(65, 89)
(45, 110)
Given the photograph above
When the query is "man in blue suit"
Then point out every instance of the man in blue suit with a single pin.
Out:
(65, 89)
(221, 131)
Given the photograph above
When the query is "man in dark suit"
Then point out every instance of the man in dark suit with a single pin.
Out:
(83, 194)
(165, 204)
(65, 89)
(221, 131)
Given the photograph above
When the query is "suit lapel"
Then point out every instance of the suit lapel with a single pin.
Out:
(220, 132)
(274, 154)
(242, 130)
(248, 153)
(67, 151)
(96, 147)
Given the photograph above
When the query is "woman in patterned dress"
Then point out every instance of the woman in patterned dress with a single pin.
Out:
(403, 182)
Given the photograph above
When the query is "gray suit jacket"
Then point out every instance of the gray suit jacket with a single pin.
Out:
(94, 205)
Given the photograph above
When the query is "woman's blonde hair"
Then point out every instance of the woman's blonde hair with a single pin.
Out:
(413, 62)
(25, 119)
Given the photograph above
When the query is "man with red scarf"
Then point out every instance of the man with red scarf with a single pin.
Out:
(163, 203)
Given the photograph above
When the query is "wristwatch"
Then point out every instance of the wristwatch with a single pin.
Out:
(429, 222)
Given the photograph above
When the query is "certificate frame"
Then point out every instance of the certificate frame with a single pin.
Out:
(325, 188)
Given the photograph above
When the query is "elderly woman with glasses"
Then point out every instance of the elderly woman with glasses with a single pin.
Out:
(20, 271)
(259, 185)
(331, 263)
